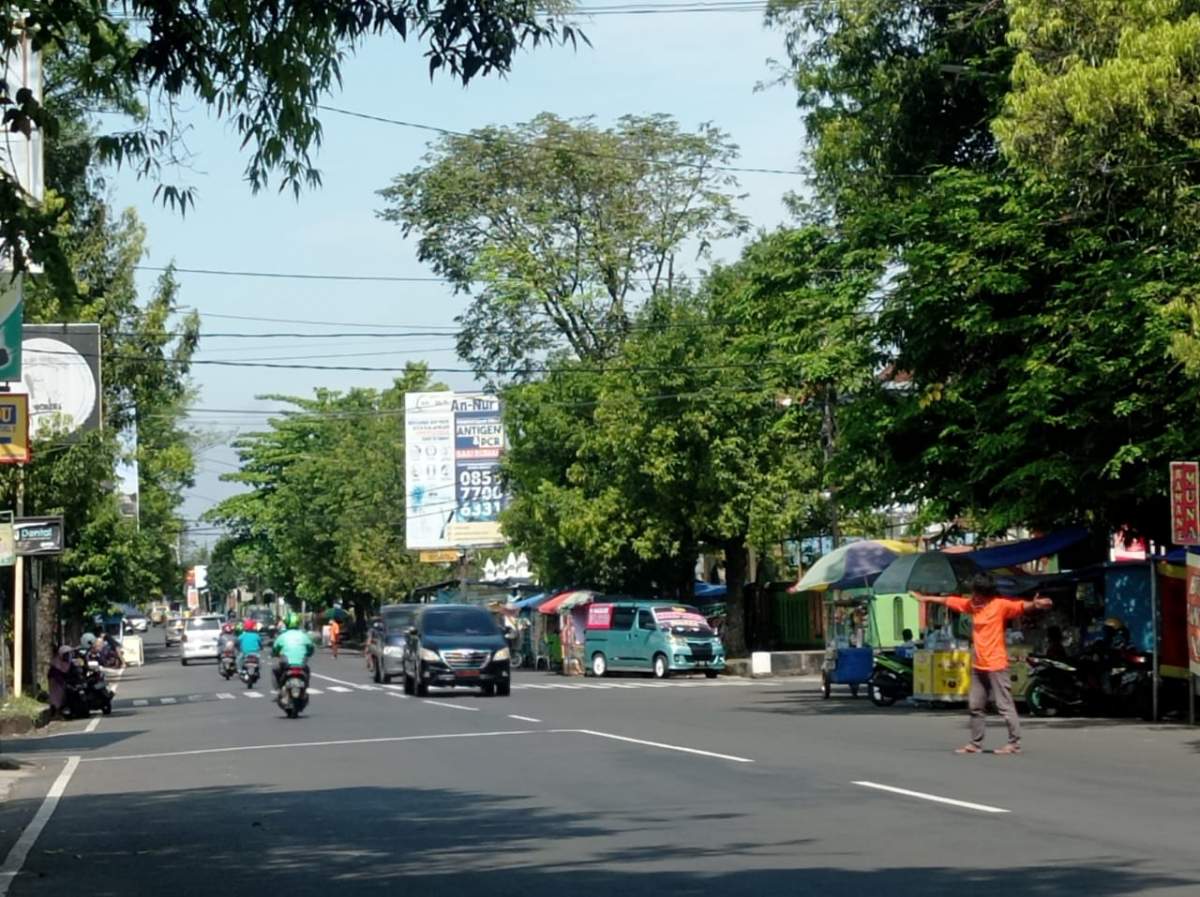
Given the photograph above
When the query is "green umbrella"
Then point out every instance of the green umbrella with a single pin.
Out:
(852, 566)
(336, 613)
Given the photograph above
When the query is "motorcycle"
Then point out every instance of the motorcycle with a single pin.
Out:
(87, 688)
(249, 673)
(1102, 682)
(293, 694)
(891, 680)
(228, 665)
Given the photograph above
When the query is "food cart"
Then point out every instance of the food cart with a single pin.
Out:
(849, 658)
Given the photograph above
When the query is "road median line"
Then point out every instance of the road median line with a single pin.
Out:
(933, 798)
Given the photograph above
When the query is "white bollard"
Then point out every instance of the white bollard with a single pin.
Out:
(760, 663)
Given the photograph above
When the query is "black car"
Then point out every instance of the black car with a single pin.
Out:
(456, 645)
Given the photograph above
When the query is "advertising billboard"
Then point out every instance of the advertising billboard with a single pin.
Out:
(61, 373)
(14, 428)
(453, 443)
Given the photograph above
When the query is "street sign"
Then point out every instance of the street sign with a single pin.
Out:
(12, 314)
(1185, 502)
(38, 536)
(14, 428)
(444, 556)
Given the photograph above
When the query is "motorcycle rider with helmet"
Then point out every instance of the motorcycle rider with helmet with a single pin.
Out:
(293, 647)
(249, 642)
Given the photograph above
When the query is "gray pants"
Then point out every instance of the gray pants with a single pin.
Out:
(997, 686)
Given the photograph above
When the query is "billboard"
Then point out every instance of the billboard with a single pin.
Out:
(452, 448)
(12, 313)
(61, 373)
(36, 536)
(14, 428)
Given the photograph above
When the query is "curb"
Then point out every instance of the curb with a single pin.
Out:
(24, 725)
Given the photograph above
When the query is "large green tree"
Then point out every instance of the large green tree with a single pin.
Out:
(559, 228)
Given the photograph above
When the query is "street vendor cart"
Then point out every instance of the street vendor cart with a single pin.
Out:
(849, 658)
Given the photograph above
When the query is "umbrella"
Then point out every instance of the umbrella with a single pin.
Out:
(938, 573)
(851, 566)
(336, 613)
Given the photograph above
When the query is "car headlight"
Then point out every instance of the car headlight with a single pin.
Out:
(394, 651)
(430, 655)
(502, 654)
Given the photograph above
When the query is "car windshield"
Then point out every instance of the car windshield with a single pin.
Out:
(464, 621)
(397, 620)
(202, 624)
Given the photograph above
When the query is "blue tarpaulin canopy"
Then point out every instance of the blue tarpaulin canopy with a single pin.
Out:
(1029, 550)
(532, 601)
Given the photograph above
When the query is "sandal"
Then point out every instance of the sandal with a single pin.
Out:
(968, 749)
(1009, 749)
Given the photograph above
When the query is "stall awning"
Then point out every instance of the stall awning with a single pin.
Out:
(710, 591)
(532, 600)
(1029, 550)
(567, 600)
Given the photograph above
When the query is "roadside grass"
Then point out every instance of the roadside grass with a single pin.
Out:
(23, 707)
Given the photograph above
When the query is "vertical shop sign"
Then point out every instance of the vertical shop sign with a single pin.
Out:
(1185, 502)
(1193, 612)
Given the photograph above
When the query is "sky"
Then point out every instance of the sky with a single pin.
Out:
(698, 67)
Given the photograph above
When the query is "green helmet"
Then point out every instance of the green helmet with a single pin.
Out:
(293, 620)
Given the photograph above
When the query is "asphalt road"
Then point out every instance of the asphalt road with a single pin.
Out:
(613, 787)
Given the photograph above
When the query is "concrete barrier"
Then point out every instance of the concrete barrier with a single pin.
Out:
(777, 663)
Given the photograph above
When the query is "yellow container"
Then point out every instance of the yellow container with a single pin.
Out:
(923, 675)
(941, 675)
(1018, 670)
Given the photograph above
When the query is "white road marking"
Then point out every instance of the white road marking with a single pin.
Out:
(140, 702)
(524, 719)
(393, 687)
(665, 747)
(253, 694)
(396, 694)
(315, 691)
(340, 690)
(307, 744)
(166, 700)
(226, 696)
(452, 706)
(368, 688)
(195, 697)
(354, 685)
(920, 795)
(16, 857)
(92, 724)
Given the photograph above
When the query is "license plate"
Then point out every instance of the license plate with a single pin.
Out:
(467, 674)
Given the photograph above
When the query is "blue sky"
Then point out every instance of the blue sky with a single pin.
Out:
(697, 67)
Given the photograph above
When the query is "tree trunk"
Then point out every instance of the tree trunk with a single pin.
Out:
(734, 636)
(49, 606)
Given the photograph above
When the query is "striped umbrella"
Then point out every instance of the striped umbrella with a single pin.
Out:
(853, 566)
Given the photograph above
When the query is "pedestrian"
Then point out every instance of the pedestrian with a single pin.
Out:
(335, 632)
(60, 668)
(989, 668)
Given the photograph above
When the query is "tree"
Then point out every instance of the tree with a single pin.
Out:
(264, 67)
(323, 518)
(559, 228)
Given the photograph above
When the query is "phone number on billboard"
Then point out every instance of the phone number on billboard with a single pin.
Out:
(480, 510)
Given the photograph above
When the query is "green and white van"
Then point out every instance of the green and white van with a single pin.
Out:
(658, 637)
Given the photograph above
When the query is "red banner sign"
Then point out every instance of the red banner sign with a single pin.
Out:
(600, 616)
(1193, 612)
(1185, 502)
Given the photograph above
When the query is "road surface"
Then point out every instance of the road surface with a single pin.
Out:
(628, 787)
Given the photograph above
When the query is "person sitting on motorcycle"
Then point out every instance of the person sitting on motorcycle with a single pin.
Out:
(293, 647)
(249, 642)
(228, 638)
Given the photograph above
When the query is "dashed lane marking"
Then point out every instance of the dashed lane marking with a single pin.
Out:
(253, 694)
(340, 690)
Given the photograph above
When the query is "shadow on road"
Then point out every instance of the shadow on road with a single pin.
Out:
(413, 840)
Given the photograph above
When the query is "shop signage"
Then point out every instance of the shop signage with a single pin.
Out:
(8, 548)
(37, 536)
(444, 556)
(1193, 612)
(1185, 502)
(12, 314)
(599, 616)
(14, 428)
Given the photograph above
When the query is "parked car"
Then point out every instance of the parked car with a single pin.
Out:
(456, 645)
(655, 637)
(200, 638)
(174, 631)
(387, 640)
(136, 621)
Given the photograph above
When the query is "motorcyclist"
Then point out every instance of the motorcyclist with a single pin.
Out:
(249, 642)
(293, 647)
(228, 638)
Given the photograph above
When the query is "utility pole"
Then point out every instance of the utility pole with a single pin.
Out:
(19, 597)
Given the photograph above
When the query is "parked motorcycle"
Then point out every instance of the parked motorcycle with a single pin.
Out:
(87, 688)
(293, 695)
(228, 664)
(1101, 682)
(249, 673)
(891, 680)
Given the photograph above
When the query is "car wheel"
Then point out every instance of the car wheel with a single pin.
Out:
(661, 669)
(183, 660)
(710, 674)
(503, 689)
(599, 665)
(107, 708)
(489, 690)
(879, 699)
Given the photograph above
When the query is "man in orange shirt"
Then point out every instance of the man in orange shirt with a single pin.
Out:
(989, 672)
(335, 634)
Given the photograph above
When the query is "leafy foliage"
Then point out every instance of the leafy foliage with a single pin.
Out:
(560, 227)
